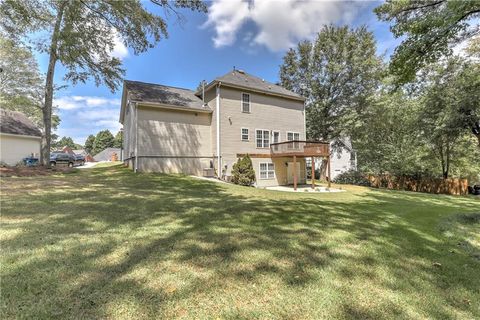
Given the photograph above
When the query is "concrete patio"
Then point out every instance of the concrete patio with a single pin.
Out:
(305, 188)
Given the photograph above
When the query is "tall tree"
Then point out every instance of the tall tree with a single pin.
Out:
(66, 142)
(81, 36)
(450, 103)
(429, 27)
(21, 81)
(103, 140)
(89, 143)
(118, 141)
(337, 73)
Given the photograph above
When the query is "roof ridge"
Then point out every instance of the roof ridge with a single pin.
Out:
(158, 84)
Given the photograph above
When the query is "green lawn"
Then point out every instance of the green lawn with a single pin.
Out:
(107, 243)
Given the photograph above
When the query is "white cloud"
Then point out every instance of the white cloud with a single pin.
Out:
(226, 17)
(81, 102)
(280, 23)
(84, 115)
(119, 51)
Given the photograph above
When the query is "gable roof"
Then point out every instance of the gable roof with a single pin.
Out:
(14, 122)
(241, 79)
(106, 154)
(165, 95)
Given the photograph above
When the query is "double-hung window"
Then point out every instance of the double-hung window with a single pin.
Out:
(246, 102)
(245, 136)
(263, 138)
(293, 136)
(267, 170)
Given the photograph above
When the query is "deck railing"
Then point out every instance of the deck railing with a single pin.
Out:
(300, 148)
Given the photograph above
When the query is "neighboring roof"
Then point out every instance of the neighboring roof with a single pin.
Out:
(160, 94)
(14, 122)
(241, 79)
(79, 151)
(106, 155)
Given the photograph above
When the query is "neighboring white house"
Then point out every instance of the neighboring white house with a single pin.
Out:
(343, 157)
(19, 137)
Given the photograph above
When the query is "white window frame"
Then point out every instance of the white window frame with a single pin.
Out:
(279, 138)
(241, 134)
(267, 171)
(293, 146)
(293, 132)
(263, 139)
(249, 102)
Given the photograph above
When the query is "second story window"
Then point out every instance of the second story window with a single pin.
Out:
(246, 102)
(245, 136)
(263, 138)
(293, 136)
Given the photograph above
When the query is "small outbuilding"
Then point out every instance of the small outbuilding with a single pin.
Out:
(19, 137)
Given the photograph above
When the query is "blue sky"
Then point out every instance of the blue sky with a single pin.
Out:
(251, 36)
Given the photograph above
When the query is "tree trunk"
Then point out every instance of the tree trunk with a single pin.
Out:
(47, 107)
(323, 170)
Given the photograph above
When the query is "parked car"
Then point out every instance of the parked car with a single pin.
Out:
(62, 158)
(79, 159)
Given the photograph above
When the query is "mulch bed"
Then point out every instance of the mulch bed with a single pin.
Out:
(31, 171)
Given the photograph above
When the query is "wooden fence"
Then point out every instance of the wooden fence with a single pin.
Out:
(429, 185)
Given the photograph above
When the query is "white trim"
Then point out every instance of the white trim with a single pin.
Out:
(217, 111)
(136, 138)
(279, 136)
(286, 135)
(260, 171)
(20, 135)
(171, 107)
(249, 102)
(241, 134)
(268, 93)
(269, 134)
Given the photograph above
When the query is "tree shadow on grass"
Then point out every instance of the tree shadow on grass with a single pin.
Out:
(126, 245)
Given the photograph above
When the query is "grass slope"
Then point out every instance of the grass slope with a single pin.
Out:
(106, 243)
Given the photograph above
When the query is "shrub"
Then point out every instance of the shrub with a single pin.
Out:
(352, 177)
(243, 173)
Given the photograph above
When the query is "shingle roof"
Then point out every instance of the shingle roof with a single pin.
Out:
(243, 79)
(106, 154)
(156, 93)
(14, 122)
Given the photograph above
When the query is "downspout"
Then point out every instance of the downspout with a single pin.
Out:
(217, 110)
(136, 138)
(305, 131)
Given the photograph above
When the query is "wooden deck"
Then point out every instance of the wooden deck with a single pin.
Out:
(300, 149)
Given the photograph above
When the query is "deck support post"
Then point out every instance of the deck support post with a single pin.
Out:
(313, 173)
(295, 173)
(329, 173)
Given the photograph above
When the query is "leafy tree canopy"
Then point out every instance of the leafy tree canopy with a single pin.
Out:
(66, 142)
(103, 140)
(429, 28)
(89, 143)
(21, 83)
(81, 36)
(336, 72)
(118, 141)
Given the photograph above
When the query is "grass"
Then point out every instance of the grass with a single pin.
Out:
(107, 243)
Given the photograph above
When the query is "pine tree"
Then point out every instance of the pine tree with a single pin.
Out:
(89, 143)
(118, 143)
(103, 140)
(243, 173)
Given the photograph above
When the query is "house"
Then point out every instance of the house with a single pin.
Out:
(177, 130)
(109, 154)
(19, 137)
(344, 157)
(80, 152)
